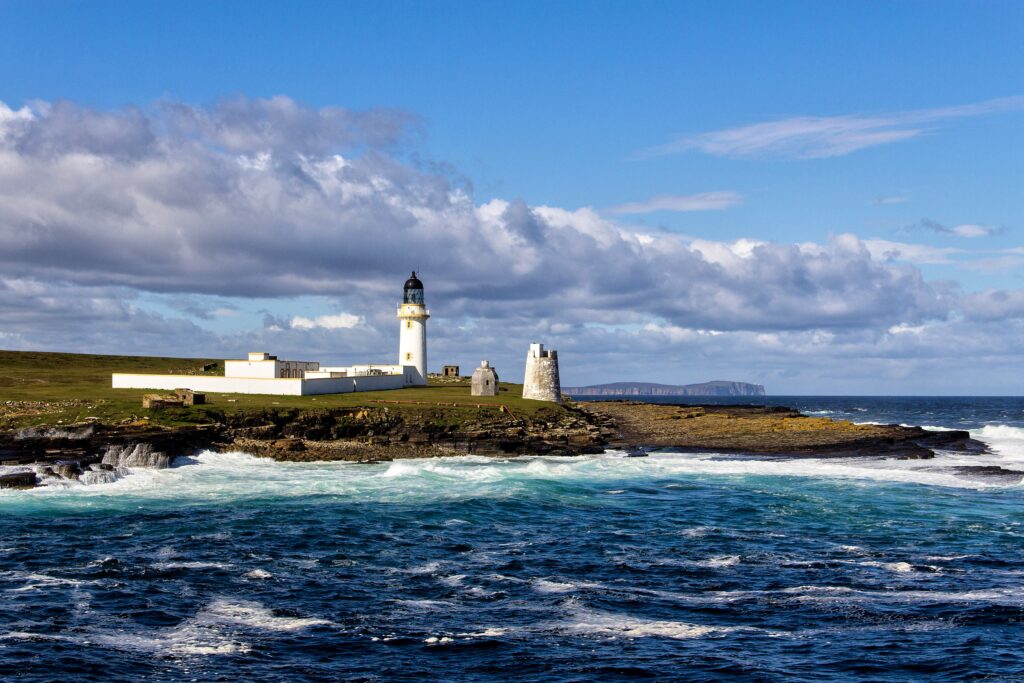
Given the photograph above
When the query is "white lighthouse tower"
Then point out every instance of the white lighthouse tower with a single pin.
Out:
(412, 345)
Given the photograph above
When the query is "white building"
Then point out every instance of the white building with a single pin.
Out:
(264, 365)
(412, 333)
(262, 373)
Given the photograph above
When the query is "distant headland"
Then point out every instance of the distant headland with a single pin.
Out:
(714, 388)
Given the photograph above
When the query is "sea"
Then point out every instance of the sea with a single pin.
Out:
(674, 566)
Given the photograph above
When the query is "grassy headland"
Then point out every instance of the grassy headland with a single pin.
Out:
(41, 388)
(60, 389)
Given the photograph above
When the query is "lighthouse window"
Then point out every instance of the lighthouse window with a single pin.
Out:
(408, 324)
(408, 356)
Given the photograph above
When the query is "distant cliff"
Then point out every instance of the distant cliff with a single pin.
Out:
(717, 388)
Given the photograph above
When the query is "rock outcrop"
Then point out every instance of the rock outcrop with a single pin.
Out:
(775, 431)
(18, 480)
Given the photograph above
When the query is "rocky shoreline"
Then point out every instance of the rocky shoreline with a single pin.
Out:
(768, 431)
(376, 434)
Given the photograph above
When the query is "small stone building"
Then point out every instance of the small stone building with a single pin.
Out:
(450, 371)
(485, 380)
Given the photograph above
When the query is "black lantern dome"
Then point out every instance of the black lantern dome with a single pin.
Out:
(413, 292)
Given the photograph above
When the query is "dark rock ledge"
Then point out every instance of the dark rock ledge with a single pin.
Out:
(378, 434)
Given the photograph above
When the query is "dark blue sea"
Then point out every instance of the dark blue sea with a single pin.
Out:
(670, 567)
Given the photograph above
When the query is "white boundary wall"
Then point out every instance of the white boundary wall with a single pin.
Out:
(216, 384)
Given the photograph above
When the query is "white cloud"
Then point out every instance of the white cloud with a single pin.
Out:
(705, 201)
(102, 214)
(810, 137)
(921, 254)
(341, 321)
(972, 230)
(962, 230)
(175, 213)
(883, 200)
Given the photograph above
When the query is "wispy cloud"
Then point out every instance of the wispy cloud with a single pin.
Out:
(920, 254)
(704, 201)
(998, 264)
(883, 200)
(328, 322)
(962, 230)
(813, 137)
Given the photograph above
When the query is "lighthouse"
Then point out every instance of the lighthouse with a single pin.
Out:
(412, 344)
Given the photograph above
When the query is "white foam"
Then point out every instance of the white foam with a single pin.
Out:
(551, 586)
(254, 615)
(165, 566)
(898, 567)
(224, 478)
(39, 581)
(490, 632)
(434, 640)
(218, 629)
(425, 604)
(257, 574)
(1013, 596)
(591, 622)
(1005, 441)
(720, 561)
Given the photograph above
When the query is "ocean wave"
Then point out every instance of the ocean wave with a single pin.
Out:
(898, 567)
(218, 629)
(559, 586)
(257, 574)
(223, 478)
(35, 581)
(1010, 596)
(1004, 440)
(168, 566)
(720, 561)
(593, 622)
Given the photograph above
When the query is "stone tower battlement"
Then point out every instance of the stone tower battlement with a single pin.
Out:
(541, 381)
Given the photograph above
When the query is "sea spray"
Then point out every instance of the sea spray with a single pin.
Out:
(135, 455)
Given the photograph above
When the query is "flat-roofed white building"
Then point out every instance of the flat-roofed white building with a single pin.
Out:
(260, 364)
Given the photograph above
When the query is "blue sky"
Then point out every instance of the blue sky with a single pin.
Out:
(706, 122)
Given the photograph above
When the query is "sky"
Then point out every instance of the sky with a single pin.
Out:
(821, 197)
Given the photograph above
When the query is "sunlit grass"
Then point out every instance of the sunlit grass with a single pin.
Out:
(47, 388)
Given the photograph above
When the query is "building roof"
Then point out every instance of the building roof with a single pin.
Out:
(413, 282)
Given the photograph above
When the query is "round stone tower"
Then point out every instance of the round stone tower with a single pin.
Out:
(541, 381)
(412, 337)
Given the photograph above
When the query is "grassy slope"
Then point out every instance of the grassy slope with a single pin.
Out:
(71, 387)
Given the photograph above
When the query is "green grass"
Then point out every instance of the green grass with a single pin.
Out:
(68, 387)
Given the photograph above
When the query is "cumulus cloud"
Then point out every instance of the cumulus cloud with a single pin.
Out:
(812, 137)
(994, 304)
(705, 201)
(65, 316)
(254, 198)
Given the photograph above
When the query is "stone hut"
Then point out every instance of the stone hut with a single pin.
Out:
(540, 381)
(485, 380)
(450, 371)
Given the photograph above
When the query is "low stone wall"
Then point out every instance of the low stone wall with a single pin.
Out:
(254, 385)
